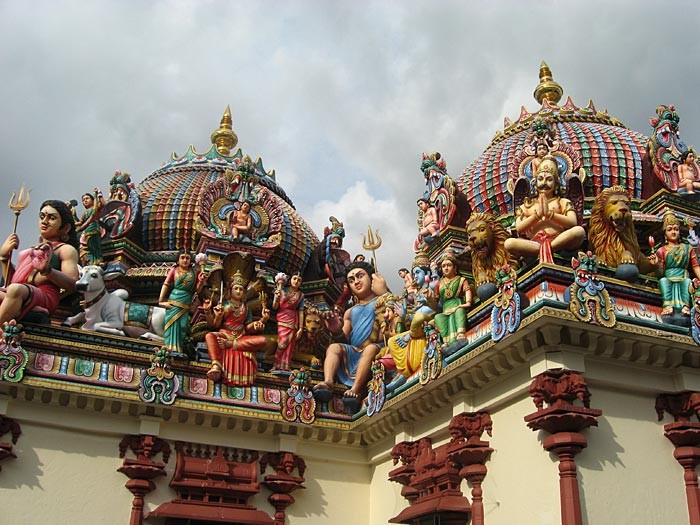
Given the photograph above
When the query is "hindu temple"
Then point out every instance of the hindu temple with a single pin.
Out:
(185, 349)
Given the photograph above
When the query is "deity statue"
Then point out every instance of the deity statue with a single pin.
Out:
(90, 229)
(350, 361)
(120, 186)
(547, 219)
(176, 296)
(240, 222)
(689, 172)
(289, 303)
(42, 270)
(430, 227)
(674, 258)
(455, 297)
(232, 346)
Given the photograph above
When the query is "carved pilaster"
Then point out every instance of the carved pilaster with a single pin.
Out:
(471, 453)
(564, 421)
(282, 483)
(685, 436)
(8, 424)
(142, 470)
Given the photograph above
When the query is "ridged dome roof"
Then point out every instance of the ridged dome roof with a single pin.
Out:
(610, 153)
(171, 198)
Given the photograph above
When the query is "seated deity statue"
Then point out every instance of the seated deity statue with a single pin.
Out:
(548, 221)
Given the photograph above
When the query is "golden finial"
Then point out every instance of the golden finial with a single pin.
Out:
(547, 89)
(224, 138)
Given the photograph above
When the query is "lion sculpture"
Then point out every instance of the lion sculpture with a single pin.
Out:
(611, 231)
(486, 239)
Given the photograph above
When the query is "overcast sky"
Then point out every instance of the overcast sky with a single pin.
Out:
(340, 98)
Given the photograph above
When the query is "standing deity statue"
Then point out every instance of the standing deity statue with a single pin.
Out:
(289, 303)
(90, 229)
(176, 296)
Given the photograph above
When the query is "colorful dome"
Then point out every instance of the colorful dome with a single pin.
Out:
(610, 153)
(172, 198)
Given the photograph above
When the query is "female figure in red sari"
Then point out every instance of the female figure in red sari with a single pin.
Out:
(289, 304)
(231, 348)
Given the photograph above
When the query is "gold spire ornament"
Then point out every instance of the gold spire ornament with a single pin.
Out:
(547, 89)
(224, 138)
(17, 204)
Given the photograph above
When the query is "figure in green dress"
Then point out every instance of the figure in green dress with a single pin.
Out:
(176, 297)
(90, 230)
(455, 296)
(674, 258)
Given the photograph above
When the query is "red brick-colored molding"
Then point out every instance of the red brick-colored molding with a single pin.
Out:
(564, 422)
(142, 470)
(214, 484)
(282, 483)
(7, 424)
(685, 436)
(431, 477)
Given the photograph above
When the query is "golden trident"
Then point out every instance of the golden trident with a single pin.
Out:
(17, 204)
(369, 242)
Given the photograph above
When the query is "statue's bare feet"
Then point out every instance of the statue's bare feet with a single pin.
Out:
(667, 310)
(686, 310)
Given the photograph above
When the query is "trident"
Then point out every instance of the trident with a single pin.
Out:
(370, 243)
(17, 204)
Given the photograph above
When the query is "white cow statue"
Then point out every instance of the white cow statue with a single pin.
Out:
(111, 313)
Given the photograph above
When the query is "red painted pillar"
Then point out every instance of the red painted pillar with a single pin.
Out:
(8, 425)
(564, 422)
(282, 483)
(685, 436)
(142, 470)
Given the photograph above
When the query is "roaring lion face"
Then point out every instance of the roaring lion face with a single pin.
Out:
(617, 211)
(479, 237)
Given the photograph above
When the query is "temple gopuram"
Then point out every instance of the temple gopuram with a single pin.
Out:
(186, 350)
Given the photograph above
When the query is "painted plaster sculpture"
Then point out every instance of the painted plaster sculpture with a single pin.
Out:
(455, 297)
(298, 402)
(177, 296)
(111, 313)
(13, 358)
(42, 270)
(438, 207)
(376, 389)
(431, 361)
(231, 344)
(406, 349)
(159, 384)
(122, 212)
(545, 220)
(666, 148)
(486, 238)
(90, 229)
(236, 207)
(695, 311)
(289, 303)
(675, 258)
(350, 362)
(506, 313)
(590, 301)
(309, 349)
(612, 237)
(688, 173)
